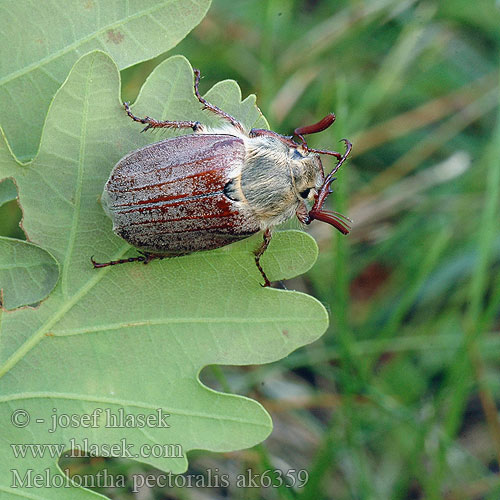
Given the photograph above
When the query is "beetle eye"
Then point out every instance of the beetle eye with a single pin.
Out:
(304, 194)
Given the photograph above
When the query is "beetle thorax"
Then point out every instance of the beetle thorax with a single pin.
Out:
(275, 177)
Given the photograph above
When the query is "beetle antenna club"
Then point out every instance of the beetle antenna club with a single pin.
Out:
(323, 124)
(207, 189)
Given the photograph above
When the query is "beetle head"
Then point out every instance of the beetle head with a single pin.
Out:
(275, 153)
(320, 189)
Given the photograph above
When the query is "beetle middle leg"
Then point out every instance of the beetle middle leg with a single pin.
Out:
(258, 255)
(152, 123)
(212, 107)
(145, 258)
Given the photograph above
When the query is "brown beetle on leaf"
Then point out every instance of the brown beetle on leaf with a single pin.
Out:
(208, 189)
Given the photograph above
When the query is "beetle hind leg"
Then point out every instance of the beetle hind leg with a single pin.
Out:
(145, 258)
(152, 123)
(212, 107)
(258, 255)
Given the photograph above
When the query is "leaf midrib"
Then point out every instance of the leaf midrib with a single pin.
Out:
(79, 184)
(125, 403)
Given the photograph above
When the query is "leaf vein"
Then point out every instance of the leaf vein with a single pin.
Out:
(76, 44)
(177, 321)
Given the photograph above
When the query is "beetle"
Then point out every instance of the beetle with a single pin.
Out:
(217, 185)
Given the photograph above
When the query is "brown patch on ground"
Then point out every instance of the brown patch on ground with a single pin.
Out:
(369, 281)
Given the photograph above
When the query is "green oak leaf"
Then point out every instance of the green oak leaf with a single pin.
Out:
(50, 36)
(28, 273)
(135, 337)
(8, 191)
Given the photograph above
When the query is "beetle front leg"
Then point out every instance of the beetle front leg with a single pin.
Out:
(152, 123)
(258, 255)
(302, 213)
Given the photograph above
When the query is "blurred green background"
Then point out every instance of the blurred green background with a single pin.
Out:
(399, 399)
